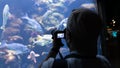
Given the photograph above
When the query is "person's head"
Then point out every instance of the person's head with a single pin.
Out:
(82, 31)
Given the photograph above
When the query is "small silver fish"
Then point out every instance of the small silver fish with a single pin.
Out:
(6, 14)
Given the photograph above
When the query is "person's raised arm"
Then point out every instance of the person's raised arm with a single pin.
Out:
(55, 49)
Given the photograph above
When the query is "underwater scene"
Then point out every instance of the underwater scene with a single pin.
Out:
(25, 29)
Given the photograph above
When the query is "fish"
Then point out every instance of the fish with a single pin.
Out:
(15, 37)
(88, 5)
(33, 56)
(63, 24)
(69, 2)
(44, 53)
(6, 14)
(51, 20)
(17, 47)
(33, 24)
(42, 40)
(57, 5)
(39, 2)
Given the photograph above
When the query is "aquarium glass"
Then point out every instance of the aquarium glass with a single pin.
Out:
(26, 25)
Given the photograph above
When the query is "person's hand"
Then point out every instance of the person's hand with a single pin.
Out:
(56, 41)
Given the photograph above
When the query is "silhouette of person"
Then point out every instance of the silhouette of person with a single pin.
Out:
(82, 31)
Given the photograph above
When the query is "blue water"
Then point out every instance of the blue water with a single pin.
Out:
(27, 29)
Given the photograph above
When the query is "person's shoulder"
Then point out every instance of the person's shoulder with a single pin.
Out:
(48, 63)
(104, 60)
(54, 63)
(60, 63)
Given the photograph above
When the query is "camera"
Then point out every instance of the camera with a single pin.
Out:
(60, 34)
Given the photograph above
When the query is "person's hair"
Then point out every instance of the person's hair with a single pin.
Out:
(84, 27)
